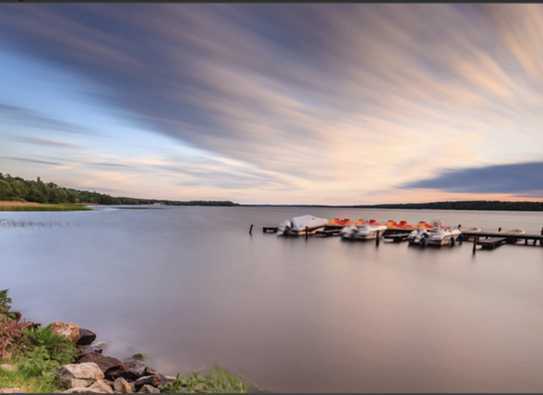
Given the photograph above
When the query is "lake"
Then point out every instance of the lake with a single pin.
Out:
(189, 287)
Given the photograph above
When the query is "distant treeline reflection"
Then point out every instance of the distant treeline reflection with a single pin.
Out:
(17, 188)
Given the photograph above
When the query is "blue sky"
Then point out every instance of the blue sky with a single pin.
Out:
(336, 104)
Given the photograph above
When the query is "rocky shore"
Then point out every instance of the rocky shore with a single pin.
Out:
(95, 372)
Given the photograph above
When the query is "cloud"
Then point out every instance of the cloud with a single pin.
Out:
(378, 95)
(24, 117)
(516, 179)
(43, 142)
(32, 161)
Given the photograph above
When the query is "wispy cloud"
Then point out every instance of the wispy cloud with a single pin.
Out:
(377, 96)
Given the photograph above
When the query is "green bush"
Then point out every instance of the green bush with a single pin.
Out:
(58, 348)
(216, 380)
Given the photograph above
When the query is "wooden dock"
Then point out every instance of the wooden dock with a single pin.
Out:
(493, 240)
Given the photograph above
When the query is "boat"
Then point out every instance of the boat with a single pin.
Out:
(364, 231)
(440, 235)
(418, 237)
(403, 226)
(338, 223)
(300, 226)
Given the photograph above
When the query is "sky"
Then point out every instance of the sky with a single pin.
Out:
(276, 103)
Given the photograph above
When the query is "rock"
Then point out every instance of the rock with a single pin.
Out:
(102, 386)
(82, 350)
(122, 386)
(8, 367)
(12, 390)
(104, 362)
(86, 337)
(149, 389)
(79, 375)
(156, 380)
(131, 369)
(68, 330)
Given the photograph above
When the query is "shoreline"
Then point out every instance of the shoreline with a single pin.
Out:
(63, 357)
(6, 205)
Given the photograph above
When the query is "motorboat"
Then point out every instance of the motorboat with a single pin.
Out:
(364, 231)
(419, 237)
(440, 235)
(300, 226)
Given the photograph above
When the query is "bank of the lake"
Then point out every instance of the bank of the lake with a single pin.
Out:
(16, 205)
(63, 357)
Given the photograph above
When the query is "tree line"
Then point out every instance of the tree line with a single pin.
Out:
(17, 188)
(465, 205)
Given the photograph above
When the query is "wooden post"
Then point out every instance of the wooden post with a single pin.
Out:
(306, 232)
(475, 241)
(526, 241)
(251, 229)
(500, 229)
(377, 239)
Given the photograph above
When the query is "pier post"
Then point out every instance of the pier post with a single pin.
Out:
(306, 232)
(500, 229)
(251, 229)
(475, 241)
(377, 239)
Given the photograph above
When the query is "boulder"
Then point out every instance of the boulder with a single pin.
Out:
(149, 389)
(156, 380)
(102, 386)
(67, 329)
(131, 369)
(104, 362)
(79, 375)
(86, 337)
(82, 350)
(122, 386)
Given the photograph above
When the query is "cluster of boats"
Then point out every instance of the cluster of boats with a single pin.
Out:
(421, 233)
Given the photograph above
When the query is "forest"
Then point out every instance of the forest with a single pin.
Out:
(17, 188)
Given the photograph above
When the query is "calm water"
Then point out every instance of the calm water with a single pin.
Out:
(189, 287)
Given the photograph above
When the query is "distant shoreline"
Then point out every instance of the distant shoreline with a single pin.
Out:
(33, 206)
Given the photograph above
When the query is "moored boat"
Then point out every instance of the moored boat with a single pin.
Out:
(364, 231)
(440, 235)
(299, 226)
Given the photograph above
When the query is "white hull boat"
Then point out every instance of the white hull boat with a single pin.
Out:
(299, 226)
(418, 237)
(363, 232)
(440, 236)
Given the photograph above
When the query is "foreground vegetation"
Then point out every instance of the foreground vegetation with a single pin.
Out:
(31, 356)
(32, 206)
(19, 189)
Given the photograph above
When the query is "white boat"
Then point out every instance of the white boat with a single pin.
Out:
(365, 231)
(418, 237)
(442, 235)
(298, 226)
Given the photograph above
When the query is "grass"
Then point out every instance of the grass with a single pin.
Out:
(37, 359)
(21, 380)
(31, 206)
(216, 380)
